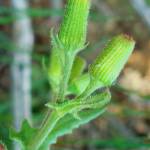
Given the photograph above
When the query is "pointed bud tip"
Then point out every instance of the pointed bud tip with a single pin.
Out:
(127, 37)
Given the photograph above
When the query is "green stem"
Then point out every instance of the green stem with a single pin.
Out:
(44, 131)
(93, 85)
(69, 59)
(52, 119)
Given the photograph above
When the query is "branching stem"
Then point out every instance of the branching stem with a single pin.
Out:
(44, 131)
(93, 85)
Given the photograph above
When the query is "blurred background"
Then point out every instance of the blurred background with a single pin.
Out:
(25, 41)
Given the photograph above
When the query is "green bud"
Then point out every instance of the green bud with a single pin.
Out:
(71, 36)
(110, 62)
(73, 29)
(79, 84)
(77, 68)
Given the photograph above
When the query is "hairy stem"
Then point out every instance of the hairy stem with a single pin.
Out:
(44, 131)
(93, 85)
(69, 59)
(53, 117)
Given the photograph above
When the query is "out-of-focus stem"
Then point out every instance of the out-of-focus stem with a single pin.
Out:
(142, 9)
(21, 65)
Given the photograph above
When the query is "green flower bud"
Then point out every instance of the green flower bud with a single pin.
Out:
(110, 62)
(71, 36)
(73, 29)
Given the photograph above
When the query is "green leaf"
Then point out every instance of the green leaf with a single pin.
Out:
(78, 85)
(56, 62)
(77, 68)
(67, 115)
(68, 123)
(87, 111)
(76, 105)
(24, 135)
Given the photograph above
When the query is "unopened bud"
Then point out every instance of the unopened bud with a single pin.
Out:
(110, 62)
(73, 28)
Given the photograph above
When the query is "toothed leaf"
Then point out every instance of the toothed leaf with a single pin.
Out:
(68, 123)
(95, 107)
(24, 135)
